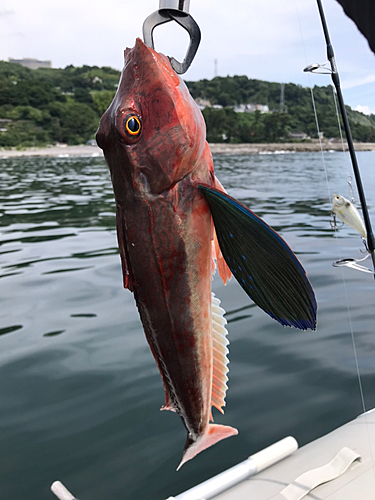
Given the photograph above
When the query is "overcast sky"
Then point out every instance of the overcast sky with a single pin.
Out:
(266, 39)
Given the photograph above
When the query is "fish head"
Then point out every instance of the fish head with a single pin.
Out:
(153, 133)
(338, 201)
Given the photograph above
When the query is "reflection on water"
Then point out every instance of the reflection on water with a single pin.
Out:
(80, 391)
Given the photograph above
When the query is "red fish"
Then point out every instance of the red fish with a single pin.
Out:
(167, 197)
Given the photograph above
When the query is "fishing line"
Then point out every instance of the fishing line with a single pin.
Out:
(335, 79)
(359, 378)
(338, 118)
(342, 270)
(313, 104)
(351, 193)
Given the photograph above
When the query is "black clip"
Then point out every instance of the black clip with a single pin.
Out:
(167, 12)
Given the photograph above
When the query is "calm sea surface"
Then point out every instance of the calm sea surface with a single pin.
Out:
(79, 390)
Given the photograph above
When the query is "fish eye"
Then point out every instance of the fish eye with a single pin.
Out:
(132, 125)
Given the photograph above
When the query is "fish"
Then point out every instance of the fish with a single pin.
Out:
(175, 225)
(347, 213)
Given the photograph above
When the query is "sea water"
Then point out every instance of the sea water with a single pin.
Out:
(79, 390)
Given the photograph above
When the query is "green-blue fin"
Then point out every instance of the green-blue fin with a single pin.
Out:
(262, 262)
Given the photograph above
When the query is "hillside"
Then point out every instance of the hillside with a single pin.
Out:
(273, 127)
(46, 105)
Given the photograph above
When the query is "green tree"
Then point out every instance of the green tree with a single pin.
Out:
(102, 100)
(77, 122)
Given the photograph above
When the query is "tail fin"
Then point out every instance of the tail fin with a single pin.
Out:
(213, 435)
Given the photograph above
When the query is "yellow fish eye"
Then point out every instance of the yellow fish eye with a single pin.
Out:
(132, 125)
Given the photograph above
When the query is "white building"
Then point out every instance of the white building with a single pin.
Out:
(251, 108)
(31, 63)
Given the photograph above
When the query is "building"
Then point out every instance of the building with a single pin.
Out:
(238, 108)
(251, 108)
(4, 123)
(203, 103)
(31, 63)
(298, 136)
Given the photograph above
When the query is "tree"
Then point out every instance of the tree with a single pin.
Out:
(77, 121)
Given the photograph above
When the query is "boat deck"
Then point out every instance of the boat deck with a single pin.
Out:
(356, 483)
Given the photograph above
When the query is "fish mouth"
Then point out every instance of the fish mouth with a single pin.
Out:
(139, 46)
(144, 57)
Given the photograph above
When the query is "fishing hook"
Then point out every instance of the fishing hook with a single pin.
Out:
(366, 247)
(174, 10)
(333, 223)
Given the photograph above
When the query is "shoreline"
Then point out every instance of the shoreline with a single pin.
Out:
(216, 149)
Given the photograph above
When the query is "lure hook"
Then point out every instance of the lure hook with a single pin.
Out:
(367, 251)
(333, 222)
(174, 10)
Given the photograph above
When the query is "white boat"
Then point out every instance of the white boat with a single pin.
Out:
(337, 466)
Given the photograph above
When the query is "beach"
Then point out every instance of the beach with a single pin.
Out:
(62, 151)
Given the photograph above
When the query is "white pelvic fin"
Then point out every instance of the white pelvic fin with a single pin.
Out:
(220, 351)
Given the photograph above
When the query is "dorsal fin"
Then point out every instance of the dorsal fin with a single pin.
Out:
(220, 351)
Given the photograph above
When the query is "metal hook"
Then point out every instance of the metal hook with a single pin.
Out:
(367, 251)
(333, 223)
(174, 10)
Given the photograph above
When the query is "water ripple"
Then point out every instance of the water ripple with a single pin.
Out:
(80, 389)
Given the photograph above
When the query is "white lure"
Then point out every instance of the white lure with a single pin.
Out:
(347, 213)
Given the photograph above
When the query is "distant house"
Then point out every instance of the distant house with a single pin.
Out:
(203, 103)
(3, 124)
(238, 108)
(97, 79)
(31, 63)
(300, 136)
(251, 108)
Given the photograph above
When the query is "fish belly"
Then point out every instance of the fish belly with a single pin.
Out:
(169, 253)
(351, 217)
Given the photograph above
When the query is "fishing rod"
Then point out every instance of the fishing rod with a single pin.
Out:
(336, 81)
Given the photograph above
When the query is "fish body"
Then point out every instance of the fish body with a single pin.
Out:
(174, 221)
(347, 213)
(165, 232)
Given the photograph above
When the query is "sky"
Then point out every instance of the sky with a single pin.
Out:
(265, 39)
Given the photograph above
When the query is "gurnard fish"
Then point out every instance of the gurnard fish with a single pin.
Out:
(174, 221)
(347, 213)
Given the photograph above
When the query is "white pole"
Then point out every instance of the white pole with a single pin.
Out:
(254, 464)
(61, 492)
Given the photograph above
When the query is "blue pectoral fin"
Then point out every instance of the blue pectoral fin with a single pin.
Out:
(262, 263)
